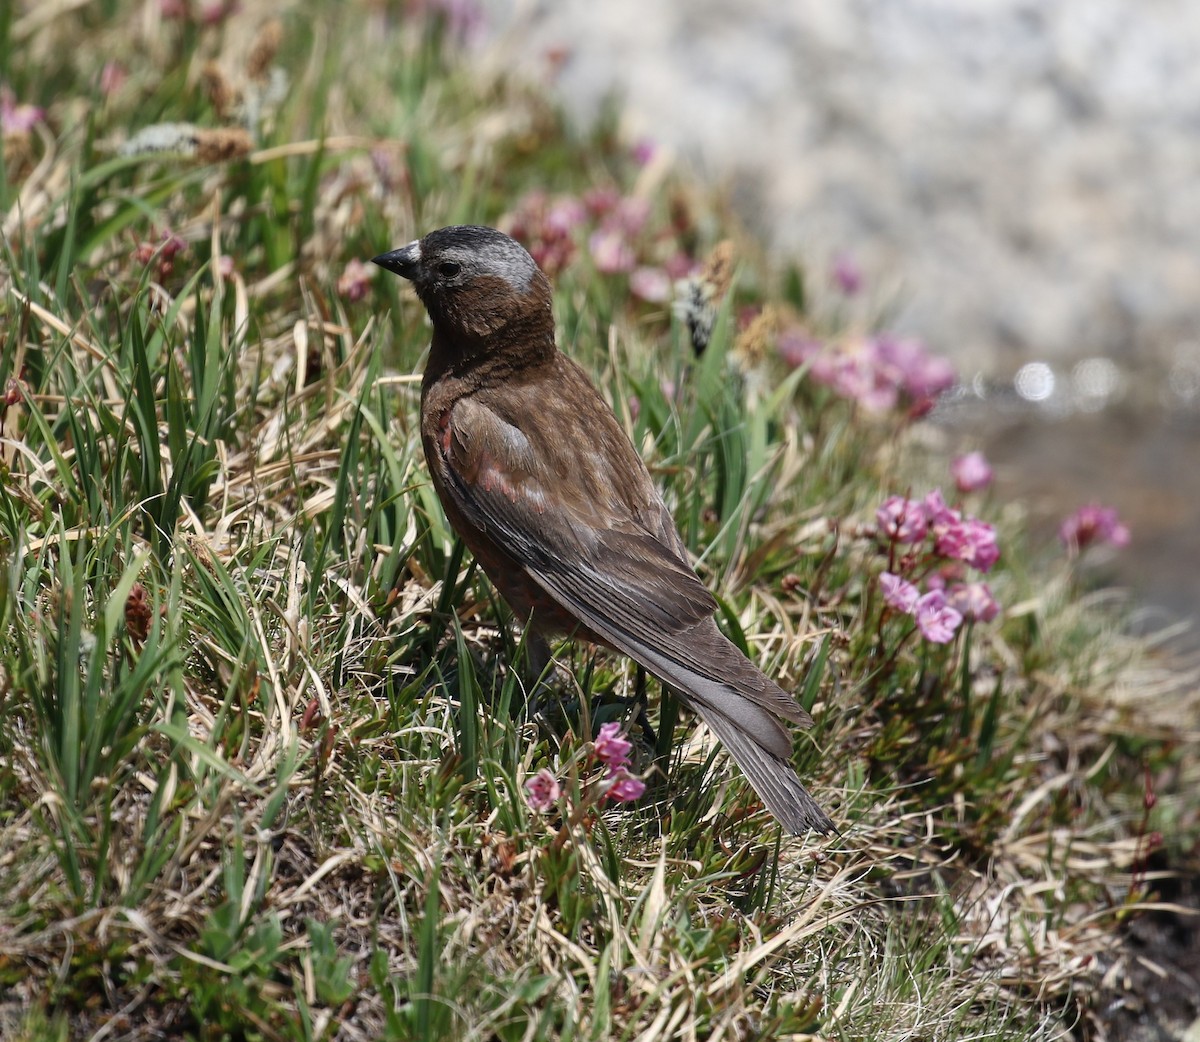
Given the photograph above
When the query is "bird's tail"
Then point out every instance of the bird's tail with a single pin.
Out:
(745, 709)
(773, 778)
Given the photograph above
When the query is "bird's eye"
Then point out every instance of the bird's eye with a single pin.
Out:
(448, 269)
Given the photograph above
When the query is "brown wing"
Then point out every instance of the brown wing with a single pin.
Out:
(571, 500)
(569, 489)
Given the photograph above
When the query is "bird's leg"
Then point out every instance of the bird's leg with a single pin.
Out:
(547, 685)
(639, 698)
(538, 654)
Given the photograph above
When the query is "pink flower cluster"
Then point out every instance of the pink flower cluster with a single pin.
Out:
(610, 749)
(616, 230)
(845, 274)
(971, 472)
(17, 117)
(162, 247)
(354, 281)
(542, 790)
(545, 226)
(878, 372)
(935, 533)
(1093, 523)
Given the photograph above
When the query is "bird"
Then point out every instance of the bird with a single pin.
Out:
(539, 479)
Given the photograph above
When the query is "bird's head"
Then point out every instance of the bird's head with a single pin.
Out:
(482, 289)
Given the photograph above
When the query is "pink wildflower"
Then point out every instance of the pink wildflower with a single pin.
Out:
(545, 226)
(163, 251)
(643, 151)
(564, 215)
(600, 201)
(858, 376)
(1093, 523)
(354, 282)
(936, 580)
(899, 593)
(902, 520)
(918, 371)
(611, 746)
(623, 786)
(940, 515)
(18, 118)
(679, 265)
(971, 472)
(542, 790)
(797, 348)
(112, 78)
(846, 274)
(973, 601)
(630, 214)
(214, 12)
(610, 252)
(936, 620)
(652, 284)
(969, 540)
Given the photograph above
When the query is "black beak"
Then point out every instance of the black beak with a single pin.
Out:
(405, 261)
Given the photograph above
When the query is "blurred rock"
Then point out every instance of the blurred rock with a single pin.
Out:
(1021, 177)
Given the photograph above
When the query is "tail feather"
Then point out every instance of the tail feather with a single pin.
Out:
(774, 779)
(748, 725)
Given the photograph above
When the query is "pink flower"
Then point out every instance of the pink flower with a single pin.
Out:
(679, 265)
(630, 214)
(902, 520)
(858, 376)
(214, 12)
(542, 790)
(545, 228)
(600, 201)
(643, 151)
(920, 373)
(935, 581)
(610, 252)
(652, 284)
(18, 118)
(899, 593)
(354, 282)
(846, 274)
(936, 620)
(611, 747)
(971, 472)
(112, 78)
(797, 348)
(872, 370)
(163, 252)
(623, 786)
(940, 515)
(1093, 523)
(564, 215)
(973, 601)
(970, 540)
